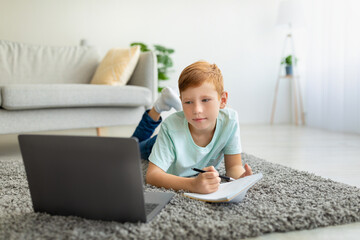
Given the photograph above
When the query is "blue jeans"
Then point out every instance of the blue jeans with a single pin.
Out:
(143, 133)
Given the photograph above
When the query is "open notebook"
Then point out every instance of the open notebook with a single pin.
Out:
(228, 192)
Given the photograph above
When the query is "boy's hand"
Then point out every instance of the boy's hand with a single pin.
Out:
(247, 172)
(207, 182)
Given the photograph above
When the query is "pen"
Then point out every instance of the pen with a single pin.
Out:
(223, 177)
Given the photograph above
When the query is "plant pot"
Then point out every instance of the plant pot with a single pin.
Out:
(289, 70)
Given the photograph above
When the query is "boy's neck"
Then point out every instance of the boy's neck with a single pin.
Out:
(202, 137)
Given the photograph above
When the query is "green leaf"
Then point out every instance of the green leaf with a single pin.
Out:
(160, 89)
(289, 60)
(162, 76)
(165, 60)
(168, 62)
(160, 48)
(143, 46)
(163, 49)
(160, 58)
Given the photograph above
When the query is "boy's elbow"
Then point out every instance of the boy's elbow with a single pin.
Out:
(154, 175)
(150, 177)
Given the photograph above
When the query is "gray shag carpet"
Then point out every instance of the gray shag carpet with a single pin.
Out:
(284, 200)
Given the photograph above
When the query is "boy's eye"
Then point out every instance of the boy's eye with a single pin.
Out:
(187, 102)
(206, 100)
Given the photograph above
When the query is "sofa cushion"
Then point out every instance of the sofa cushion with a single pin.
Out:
(117, 66)
(26, 63)
(37, 96)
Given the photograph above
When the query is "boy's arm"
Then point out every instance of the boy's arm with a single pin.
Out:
(234, 168)
(203, 183)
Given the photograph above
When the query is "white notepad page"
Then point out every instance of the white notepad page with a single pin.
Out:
(228, 191)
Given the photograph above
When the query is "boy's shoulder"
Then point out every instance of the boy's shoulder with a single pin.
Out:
(175, 121)
(228, 114)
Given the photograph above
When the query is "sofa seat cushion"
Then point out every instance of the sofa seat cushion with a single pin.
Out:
(38, 96)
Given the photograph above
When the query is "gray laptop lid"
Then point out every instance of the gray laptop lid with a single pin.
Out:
(91, 177)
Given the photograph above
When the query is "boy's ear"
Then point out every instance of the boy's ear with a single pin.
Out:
(223, 99)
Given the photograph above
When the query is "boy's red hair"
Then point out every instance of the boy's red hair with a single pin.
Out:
(199, 72)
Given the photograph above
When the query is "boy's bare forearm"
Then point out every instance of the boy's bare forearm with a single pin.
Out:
(170, 181)
(235, 171)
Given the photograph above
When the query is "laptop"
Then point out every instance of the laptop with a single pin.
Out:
(91, 177)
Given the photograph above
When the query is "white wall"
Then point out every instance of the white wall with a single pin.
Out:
(240, 36)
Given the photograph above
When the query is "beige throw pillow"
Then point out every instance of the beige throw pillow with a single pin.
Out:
(117, 66)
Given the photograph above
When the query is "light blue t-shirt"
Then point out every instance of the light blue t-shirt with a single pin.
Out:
(176, 153)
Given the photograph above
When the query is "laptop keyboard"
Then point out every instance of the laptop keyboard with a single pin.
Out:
(149, 207)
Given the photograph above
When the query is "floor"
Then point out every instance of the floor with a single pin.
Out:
(328, 154)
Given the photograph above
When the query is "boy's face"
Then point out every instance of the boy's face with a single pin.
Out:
(201, 106)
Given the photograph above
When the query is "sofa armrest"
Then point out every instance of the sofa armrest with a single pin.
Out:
(145, 73)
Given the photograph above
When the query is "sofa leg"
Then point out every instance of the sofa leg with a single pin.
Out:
(98, 131)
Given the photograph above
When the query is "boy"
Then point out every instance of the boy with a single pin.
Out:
(200, 136)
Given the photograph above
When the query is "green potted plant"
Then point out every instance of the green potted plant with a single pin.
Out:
(288, 61)
(164, 60)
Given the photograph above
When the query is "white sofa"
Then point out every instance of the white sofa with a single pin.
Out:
(47, 88)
